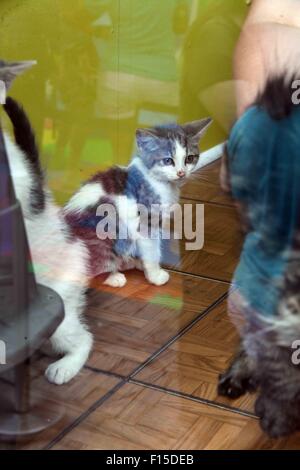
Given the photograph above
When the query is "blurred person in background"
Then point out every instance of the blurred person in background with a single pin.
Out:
(206, 84)
(138, 63)
(74, 84)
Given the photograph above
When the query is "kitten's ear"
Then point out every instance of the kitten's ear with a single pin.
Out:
(196, 129)
(145, 138)
(9, 71)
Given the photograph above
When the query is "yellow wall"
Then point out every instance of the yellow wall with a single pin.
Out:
(106, 67)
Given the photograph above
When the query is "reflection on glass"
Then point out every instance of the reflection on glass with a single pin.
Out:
(106, 67)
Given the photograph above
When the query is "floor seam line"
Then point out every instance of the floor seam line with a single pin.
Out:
(178, 335)
(130, 379)
(203, 401)
(96, 405)
(163, 347)
(105, 372)
(198, 276)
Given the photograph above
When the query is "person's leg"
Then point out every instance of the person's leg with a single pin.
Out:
(121, 134)
(116, 109)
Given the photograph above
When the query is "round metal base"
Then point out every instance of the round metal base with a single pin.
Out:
(22, 426)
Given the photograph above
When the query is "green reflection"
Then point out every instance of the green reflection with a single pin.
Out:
(106, 67)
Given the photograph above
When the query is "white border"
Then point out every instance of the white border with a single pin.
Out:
(211, 155)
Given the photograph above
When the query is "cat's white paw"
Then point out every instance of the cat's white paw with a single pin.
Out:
(158, 277)
(116, 280)
(62, 371)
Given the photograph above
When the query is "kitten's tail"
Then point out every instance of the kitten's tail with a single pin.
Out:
(24, 134)
(25, 140)
(279, 96)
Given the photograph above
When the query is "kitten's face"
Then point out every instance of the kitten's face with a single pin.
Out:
(171, 153)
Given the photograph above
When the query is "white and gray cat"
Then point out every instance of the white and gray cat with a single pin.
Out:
(60, 262)
(65, 248)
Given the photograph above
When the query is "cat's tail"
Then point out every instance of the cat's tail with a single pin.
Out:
(24, 134)
(25, 140)
(279, 96)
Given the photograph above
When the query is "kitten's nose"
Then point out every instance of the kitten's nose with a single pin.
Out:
(181, 173)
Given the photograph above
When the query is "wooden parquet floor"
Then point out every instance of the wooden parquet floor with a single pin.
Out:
(150, 382)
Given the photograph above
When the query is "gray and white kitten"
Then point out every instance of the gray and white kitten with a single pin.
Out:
(167, 156)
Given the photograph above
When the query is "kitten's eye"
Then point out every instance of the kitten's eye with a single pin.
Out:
(191, 159)
(168, 161)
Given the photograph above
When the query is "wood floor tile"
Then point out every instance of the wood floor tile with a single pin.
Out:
(205, 186)
(219, 255)
(131, 323)
(192, 364)
(140, 418)
(73, 399)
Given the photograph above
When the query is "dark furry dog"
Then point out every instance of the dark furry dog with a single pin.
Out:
(265, 360)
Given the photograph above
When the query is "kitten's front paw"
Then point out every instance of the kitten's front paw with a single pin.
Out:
(116, 280)
(62, 371)
(158, 277)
